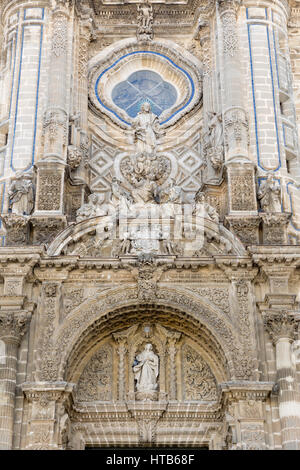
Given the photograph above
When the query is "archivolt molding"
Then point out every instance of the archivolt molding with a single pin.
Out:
(179, 60)
(93, 320)
(213, 232)
(206, 342)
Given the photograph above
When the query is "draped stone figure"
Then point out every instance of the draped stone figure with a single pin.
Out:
(215, 129)
(145, 370)
(269, 194)
(146, 130)
(21, 193)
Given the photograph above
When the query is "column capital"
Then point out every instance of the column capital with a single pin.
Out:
(13, 326)
(228, 5)
(43, 392)
(280, 325)
(61, 7)
(245, 390)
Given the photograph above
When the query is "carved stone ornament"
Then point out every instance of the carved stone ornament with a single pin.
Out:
(59, 36)
(242, 192)
(199, 382)
(53, 123)
(227, 9)
(269, 194)
(147, 430)
(280, 325)
(145, 21)
(275, 228)
(21, 193)
(141, 168)
(48, 366)
(14, 325)
(49, 191)
(95, 382)
(236, 126)
(208, 210)
(83, 58)
(45, 229)
(215, 129)
(72, 298)
(74, 157)
(16, 227)
(252, 437)
(245, 228)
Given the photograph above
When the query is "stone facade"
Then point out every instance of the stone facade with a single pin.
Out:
(150, 224)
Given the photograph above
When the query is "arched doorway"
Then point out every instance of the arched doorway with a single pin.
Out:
(183, 408)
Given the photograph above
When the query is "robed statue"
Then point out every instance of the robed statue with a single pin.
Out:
(146, 130)
(145, 370)
(269, 194)
(21, 193)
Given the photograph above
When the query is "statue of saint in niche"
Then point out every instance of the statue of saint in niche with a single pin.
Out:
(145, 370)
(146, 130)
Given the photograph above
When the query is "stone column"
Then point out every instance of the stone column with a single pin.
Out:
(48, 418)
(235, 117)
(122, 349)
(51, 167)
(78, 145)
(282, 328)
(122, 340)
(172, 351)
(24, 30)
(214, 156)
(13, 326)
(240, 169)
(245, 359)
(78, 151)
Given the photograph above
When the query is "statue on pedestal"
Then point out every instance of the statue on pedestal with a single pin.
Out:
(21, 194)
(269, 194)
(145, 370)
(146, 130)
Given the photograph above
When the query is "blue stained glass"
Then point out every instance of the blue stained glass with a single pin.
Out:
(124, 94)
(141, 86)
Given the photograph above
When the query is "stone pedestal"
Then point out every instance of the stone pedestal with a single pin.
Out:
(275, 228)
(246, 228)
(48, 420)
(244, 407)
(17, 229)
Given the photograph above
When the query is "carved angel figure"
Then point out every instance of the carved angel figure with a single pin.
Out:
(145, 369)
(89, 209)
(172, 193)
(269, 194)
(146, 130)
(21, 193)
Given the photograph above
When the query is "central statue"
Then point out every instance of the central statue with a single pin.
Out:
(145, 370)
(146, 130)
